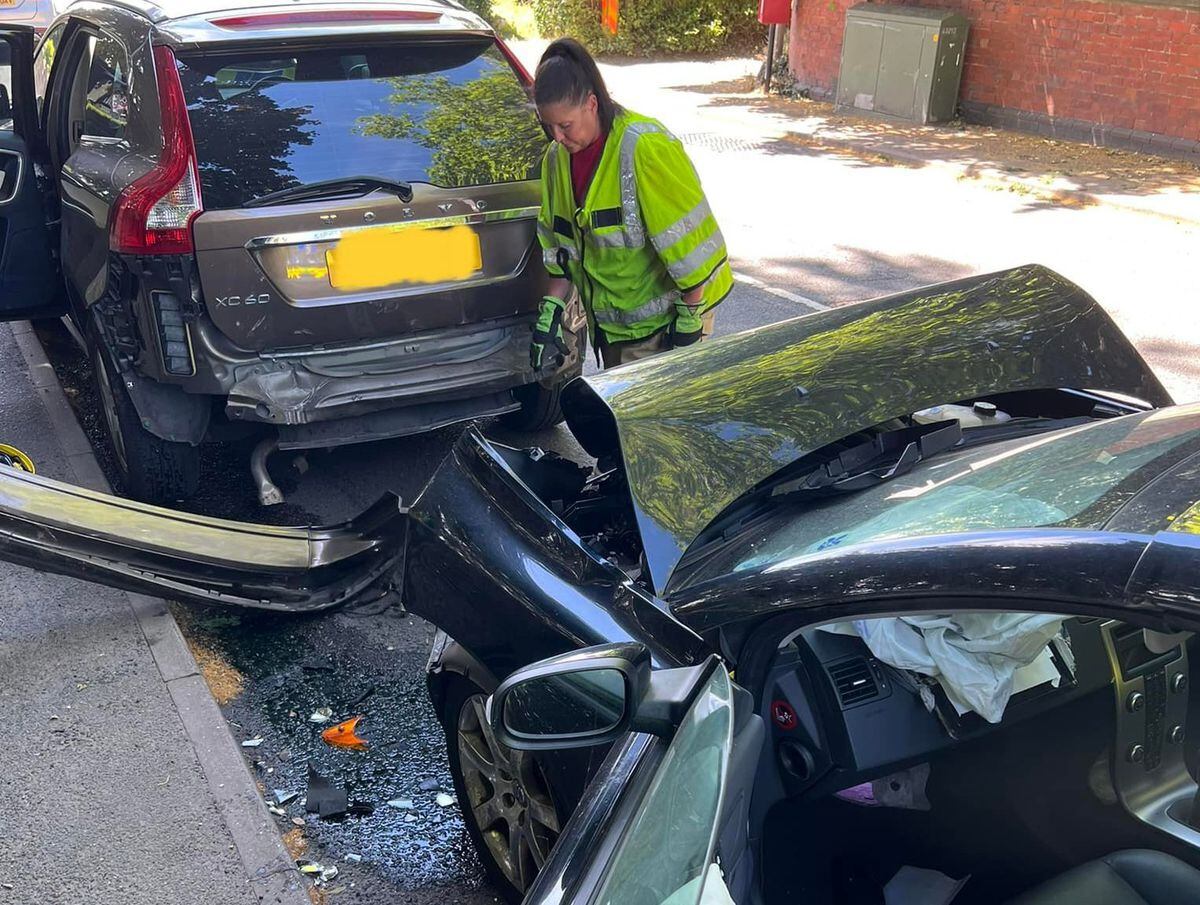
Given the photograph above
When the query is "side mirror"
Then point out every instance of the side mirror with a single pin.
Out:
(586, 697)
(590, 697)
(6, 112)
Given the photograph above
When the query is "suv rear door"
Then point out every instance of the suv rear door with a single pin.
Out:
(29, 282)
(448, 115)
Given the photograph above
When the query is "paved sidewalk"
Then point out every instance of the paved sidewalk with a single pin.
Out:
(121, 780)
(721, 97)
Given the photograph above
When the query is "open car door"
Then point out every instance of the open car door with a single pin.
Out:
(29, 280)
(662, 806)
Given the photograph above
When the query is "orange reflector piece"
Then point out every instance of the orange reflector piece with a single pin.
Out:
(343, 735)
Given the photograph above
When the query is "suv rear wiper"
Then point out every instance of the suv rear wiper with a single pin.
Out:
(883, 457)
(352, 186)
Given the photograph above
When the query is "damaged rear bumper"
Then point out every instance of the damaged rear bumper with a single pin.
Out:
(313, 386)
(55, 527)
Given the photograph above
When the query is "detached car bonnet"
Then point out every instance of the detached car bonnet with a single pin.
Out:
(697, 429)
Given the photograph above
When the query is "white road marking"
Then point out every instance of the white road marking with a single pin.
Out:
(781, 293)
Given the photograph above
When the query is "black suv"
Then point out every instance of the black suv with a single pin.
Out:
(310, 217)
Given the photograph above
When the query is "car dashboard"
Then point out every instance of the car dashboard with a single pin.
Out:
(840, 716)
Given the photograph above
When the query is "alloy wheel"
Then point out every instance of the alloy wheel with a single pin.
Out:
(508, 797)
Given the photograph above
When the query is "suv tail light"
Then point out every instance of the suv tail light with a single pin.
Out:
(154, 213)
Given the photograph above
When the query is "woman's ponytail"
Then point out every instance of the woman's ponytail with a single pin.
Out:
(567, 73)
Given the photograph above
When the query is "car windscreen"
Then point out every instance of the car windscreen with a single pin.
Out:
(1073, 478)
(448, 112)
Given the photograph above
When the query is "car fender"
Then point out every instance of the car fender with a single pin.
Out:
(449, 658)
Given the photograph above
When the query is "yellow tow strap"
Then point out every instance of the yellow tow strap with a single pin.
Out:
(10, 455)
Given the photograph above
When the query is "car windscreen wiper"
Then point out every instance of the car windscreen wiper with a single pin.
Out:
(883, 457)
(347, 186)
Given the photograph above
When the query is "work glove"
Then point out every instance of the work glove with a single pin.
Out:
(548, 335)
(688, 327)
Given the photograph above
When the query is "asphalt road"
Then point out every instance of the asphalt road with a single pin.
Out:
(805, 230)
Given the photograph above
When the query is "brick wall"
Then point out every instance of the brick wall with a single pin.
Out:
(1127, 66)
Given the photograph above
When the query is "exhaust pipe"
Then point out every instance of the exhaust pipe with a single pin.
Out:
(268, 493)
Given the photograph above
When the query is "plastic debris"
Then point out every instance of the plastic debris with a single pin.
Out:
(352, 858)
(430, 785)
(276, 810)
(344, 735)
(403, 804)
(324, 799)
(363, 695)
(318, 871)
(444, 800)
(410, 818)
(283, 796)
(321, 715)
(252, 742)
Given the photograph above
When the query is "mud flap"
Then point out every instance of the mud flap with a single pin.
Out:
(55, 527)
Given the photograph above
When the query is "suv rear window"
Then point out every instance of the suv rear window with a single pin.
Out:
(451, 113)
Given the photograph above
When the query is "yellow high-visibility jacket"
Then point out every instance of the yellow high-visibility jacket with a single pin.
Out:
(644, 235)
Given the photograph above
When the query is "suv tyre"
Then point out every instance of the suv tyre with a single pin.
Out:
(152, 469)
(541, 403)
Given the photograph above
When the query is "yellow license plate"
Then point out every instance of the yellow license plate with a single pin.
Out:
(374, 258)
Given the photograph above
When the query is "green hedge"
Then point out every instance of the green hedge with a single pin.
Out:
(654, 26)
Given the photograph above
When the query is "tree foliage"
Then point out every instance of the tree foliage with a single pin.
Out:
(654, 26)
(480, 131)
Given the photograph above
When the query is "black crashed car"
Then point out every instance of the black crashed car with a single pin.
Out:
(899, 595)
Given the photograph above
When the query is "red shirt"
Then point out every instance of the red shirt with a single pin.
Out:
(583, 165)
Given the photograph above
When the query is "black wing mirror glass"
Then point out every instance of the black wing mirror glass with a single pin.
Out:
(579, 704)
(587, 697)
(6, 113)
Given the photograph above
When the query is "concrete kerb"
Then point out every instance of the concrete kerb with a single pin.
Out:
(256, 837)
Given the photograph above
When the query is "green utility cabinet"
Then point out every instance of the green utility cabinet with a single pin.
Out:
(902, 61)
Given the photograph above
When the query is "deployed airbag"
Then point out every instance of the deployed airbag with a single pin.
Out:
(975, 656)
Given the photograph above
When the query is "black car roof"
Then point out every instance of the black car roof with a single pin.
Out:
(1075, 572)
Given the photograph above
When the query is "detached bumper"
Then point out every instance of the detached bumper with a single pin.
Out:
(68, 530)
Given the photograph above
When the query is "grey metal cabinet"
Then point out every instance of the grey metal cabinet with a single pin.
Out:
(902, 61)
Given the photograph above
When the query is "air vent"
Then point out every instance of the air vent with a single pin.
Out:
(854, 681)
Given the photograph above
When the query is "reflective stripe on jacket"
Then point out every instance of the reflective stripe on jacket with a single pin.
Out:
(644, 235)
